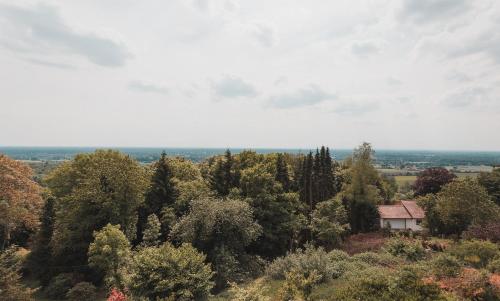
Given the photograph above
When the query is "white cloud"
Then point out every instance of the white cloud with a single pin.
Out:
(263, 33)
(41, 28)
(422, 11)
(304, 97)
(233, 87)
(147, 87)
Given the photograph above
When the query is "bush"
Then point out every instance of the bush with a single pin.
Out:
(59, 286)
(475, 253)
(337, 255)
(489, 231)
(445, 265)
(252, 292)
(11, 287)
(298, 286)
(82, 291)
(306, 261)
(377, 283)
(381, 259)
(409, 249)
(494, 265)
(166, 271)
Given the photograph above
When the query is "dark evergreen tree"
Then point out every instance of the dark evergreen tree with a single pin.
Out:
(223, 176)
(39, 260)
(217, 178)
(306, 190)
(282, 172)
(317, 179)
(161, 195)
(363, 216)
(329, 172)
(229, 178)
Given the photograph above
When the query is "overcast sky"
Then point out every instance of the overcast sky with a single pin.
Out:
(411, 74)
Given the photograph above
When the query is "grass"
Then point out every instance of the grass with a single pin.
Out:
(404, 180)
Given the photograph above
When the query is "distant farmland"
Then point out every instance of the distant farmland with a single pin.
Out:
(402, 180)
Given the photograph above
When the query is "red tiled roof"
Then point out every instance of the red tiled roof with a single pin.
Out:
(406, 209)
(415, 210)
(393, 211)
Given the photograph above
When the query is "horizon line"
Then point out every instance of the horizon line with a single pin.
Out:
(247, 148)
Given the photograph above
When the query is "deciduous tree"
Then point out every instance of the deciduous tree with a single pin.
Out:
(20, 199)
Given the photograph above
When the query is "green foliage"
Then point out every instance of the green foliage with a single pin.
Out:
(475, 253)
(166, 271)
(329, 222)
(40, 258)
(188, 191)
(380, 259)
(223, 175)
(363, 189)
(251, 292)
(494, 265)
(464, 202)
(491, 182)
(326, 265)
(91, 191)
(11, 287)
(408, 249)
(298, 286)
(59, 286)
(151, 232)
(282, 176)
(378, 284)
(445, 265)
(82, 291)
(222, 230)
(109, 253)
(161, 195)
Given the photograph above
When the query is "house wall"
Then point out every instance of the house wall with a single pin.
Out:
(400, 224)
(396, 224)
(412, 224)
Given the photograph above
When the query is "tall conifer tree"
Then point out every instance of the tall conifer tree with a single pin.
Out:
(161, 194)
(282, 172)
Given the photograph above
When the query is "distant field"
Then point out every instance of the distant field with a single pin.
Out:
(402, 180)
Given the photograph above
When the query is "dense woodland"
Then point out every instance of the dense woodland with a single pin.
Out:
(247, 226)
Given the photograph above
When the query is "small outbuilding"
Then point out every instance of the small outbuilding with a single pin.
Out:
(405, 215)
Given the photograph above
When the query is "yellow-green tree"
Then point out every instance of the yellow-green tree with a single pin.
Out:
(91, 191)
(109, 252)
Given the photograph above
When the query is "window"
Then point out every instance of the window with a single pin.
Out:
(419, 221)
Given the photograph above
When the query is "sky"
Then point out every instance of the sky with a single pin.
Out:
(406, 74)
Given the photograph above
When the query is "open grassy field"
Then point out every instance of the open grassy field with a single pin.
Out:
(403, 180)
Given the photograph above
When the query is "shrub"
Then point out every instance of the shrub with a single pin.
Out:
(372, 258)
(494, 265)
(337, 255)
(409, 249)
(166, 271)
(252, 292)
(490, 231)
(445, 265)
(11, 287)
(82, 291)
(59, 286)
(476, 253)
(306, 261)
(377, 283)
(298, 286)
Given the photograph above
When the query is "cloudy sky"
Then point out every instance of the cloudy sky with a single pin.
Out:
(410, 74)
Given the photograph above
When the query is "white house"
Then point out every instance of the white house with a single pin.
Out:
(401, 216)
